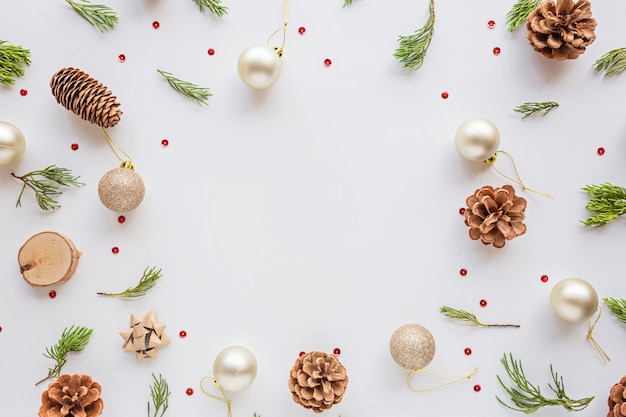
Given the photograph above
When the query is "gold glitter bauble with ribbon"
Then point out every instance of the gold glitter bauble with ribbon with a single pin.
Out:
(412, 346)
(121, 190)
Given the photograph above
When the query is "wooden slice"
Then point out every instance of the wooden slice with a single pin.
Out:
(48, 258)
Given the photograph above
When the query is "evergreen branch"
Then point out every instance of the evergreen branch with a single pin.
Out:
(147, 281)
(607, 202)
(47, 188)
(527, 397)
(214, 6)
(73, 339)
(613, 62)
(413, 48)
(468, 317)
(617, 307)
(186, 88)
(160, 393)
(532, 108)
(99, 15)
(520, 12)
(11, 56)
(345, 4)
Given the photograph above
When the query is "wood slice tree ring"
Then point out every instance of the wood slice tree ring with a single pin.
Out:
(48, 258)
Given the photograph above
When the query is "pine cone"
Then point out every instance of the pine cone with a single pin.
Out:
(72, 395)
(563, 30)
(317, 381)
(495, 215)
(86, 97)
(617, 399)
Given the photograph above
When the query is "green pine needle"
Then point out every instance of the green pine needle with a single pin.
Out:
(199, 94)
(413, 48)
(147, 281)
(45, 183)
(533, 108)
(99, 15)
(520, 12)
(527, 397)
(469, 318)
(73, 339)
(617, 307)
(160, 393)
(345, 4)
(613, 62)
(11, 58)
(214, 6)
(607, 202)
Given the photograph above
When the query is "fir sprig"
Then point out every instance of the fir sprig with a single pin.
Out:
(347, 3)
(99, 15)
(73, 339)
(147, 281)
(607, 202)
(11, 56)
(160, 393)
(527, 397)
(45, 183)
(199, 94)
(617, 307)
(520, 12)
(612, 62)
(533, 108)
(413, 48)
(214, 6)
(469, 318)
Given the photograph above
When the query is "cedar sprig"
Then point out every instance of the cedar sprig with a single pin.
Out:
(413, 48)
(160, 393)
(617, 307)
(520, 12)
(527, 397)
(607, 202)
(469, 318)
(11, 56)
(533, 108)
(214, 6)
(99, 15)
(45, 183)
(73, 339)
(612, 62)
(149, 279)
(199, 94)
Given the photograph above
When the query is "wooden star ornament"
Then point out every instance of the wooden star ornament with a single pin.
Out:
(145, 336)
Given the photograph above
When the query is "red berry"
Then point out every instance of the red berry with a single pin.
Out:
(74, 146)
(544, 278)
(121, 219)
(496, 51)
(463, 272)
(189, 391)
(445, 95)
(327, 62)
(0, 329)
(477, 388)
(156, 24)
(468, 351)
(600, 151)
(165, 143)
(491, 24)
(336, 351)
(122, 57)
(182, 334)
(462, 211)
(301, 30)
(115, 250)
(302, 353)
(23, 92)
(483, 303)
(52, 294)
(211, 51)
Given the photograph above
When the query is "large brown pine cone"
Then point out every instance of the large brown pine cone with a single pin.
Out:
(561, 30)
(617, 399)
(72, 395)
(317, 381)
(86, 97)
(495, 215)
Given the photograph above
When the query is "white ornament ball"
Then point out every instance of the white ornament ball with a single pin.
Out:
(259, 66)
(574, 300)
(234, 368)
(121, 190)
(12, 143)
(477, 139)
(412, 346)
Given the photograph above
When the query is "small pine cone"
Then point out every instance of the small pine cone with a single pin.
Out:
(317, 381)
(77, 91)
(72, 395)
(495, 215)
(617, 399)
(561, 30)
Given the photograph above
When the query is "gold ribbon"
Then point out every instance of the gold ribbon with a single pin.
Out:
(126, 162)
(456, 378)
(603, 355)
(517, 180)
(223, 398)
(280, 49)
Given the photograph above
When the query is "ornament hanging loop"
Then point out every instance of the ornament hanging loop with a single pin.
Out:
(127, 162)
(603, 355)
(223, 398)
(456, 378)
(517, 180)
(280, 50)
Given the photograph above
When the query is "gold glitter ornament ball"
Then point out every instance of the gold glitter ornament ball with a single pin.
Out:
(412, 346)
(121, 190)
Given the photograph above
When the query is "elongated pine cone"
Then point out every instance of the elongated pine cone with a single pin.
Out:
(495, 215)
(318, 381)
(617, 399)
(72, 395)
(77, 91)
(561, 30)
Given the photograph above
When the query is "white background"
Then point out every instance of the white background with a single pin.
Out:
(321, 213)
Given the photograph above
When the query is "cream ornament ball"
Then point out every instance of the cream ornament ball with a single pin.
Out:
(12, 143)
(259, 66)
(477, 139)
(574, 300)
(234, 368)
(121, 190)
(412, 346)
